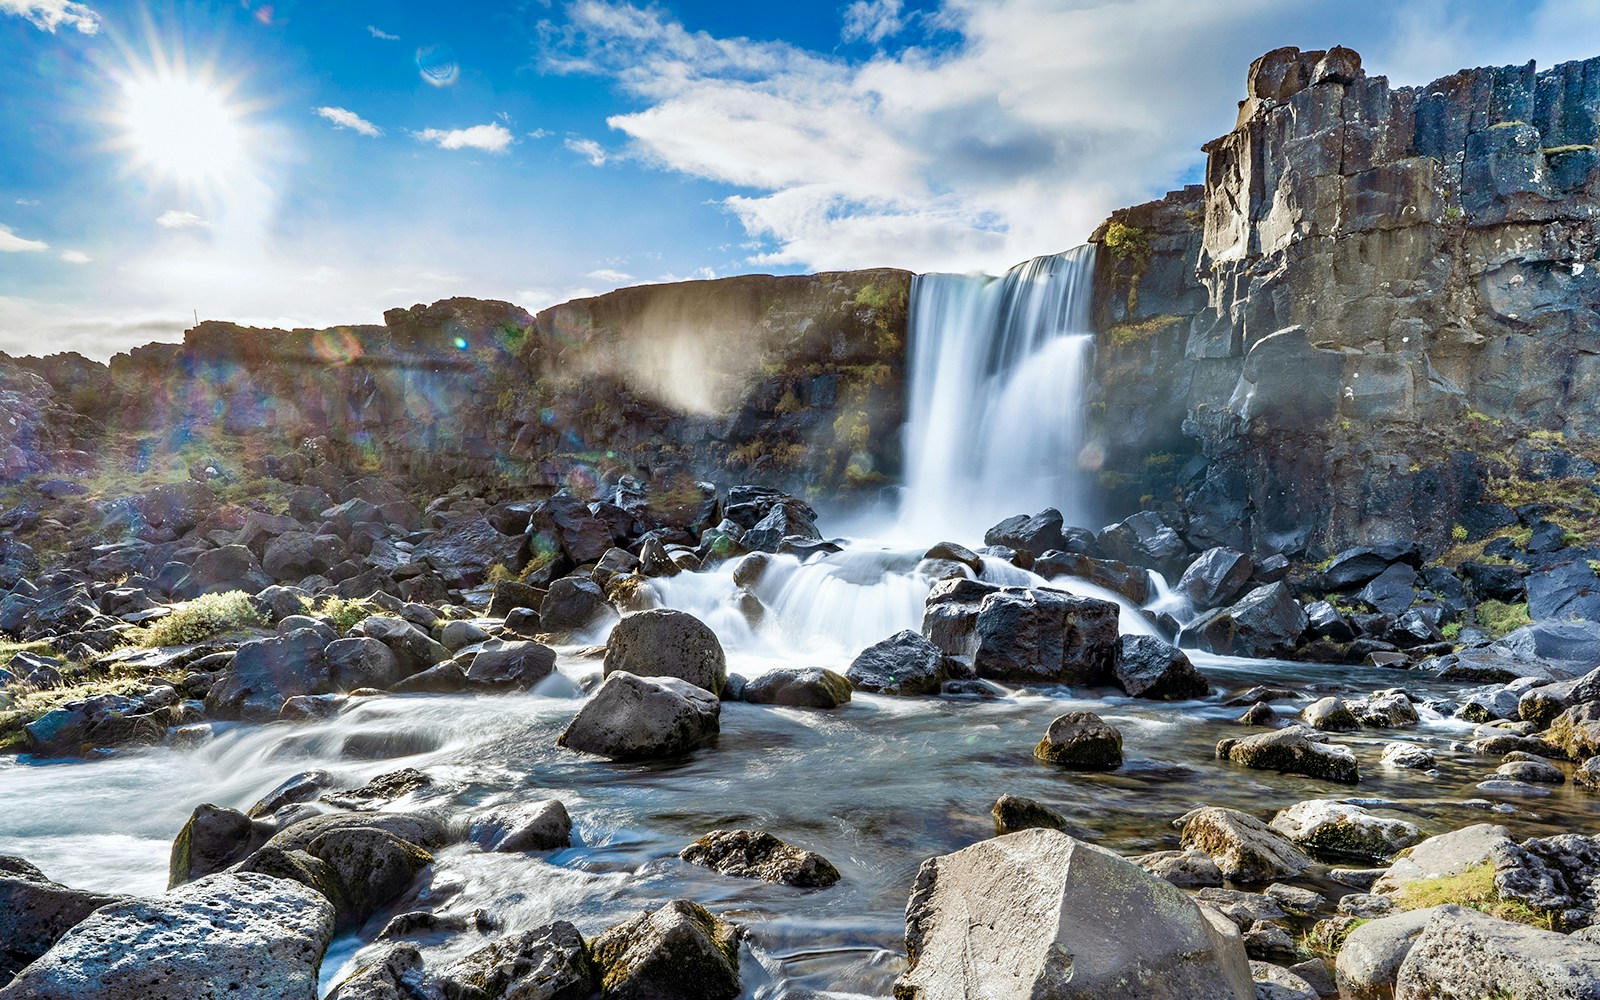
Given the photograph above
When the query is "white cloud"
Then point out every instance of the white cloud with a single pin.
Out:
(29, 202)
(377, 32)
(173, 218)
(75, 257)
(491, 138)
(610, 276)
(589, 150)
(872, 20)
(12, 243)
(51, 14)
(342, 118)
(540, 133)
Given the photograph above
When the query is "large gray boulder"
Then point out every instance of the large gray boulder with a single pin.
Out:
(413, 648)
(223, 937)
(678, 952)
(532, 826)
(1344, 829)
(1044, 635)
(1295, 750)
(390, 974)
(636, 718)
(1466, 955)
(1266, 622)
(906, 663)
(1443, 856)
(1559, 875)
(35, 912)
(361, 663)
(799, 687)
(213, 838)
(667, 643)
(1081, 741)
(511, 666)
(1369, 960)
(1244, 848)
(546, 963)
(1152, 668)
(1216, 576)
(1041, 914)
(267, 672)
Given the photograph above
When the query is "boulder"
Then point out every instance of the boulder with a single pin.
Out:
(1081, 741)
(533, 826)
(366, 868)
(1559, 875)
(35, 912)
(1186, 869)
(1039, 913)
(295, 555)
(636, 718)
(1462, 953)
(415, 828)
(1265, 623)
(1353, 567)
(1407, 755)
(213, 838)
(1576, 731)
(1274, 982)
(1144, 540)
(1369, 960)
(1033, 534)
(1216, 577)
(267, 672)
(414, 649)
(799, 687)
(1392, 591)
(573, 604)
(1043, 635)
(361, 663)
(678, 952)
(1015, 812)
(511, 666)
(1294, 750)
(104, 721)
(1344, 829)
(217, 571)
(219, 938)
(1442, 856)
(391, 974)
(1244, 848)
(903, 664)
(1152, 668)
(756, 854)
(508, 595)
(1329, 715)
(667, 643)
(546, 963)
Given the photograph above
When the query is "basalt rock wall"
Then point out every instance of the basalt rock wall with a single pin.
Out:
(1376, 319)
(791, 381)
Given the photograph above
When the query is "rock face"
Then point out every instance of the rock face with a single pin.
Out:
(1038, 913)
(635, 718)
(667, 643)
(754, 854)
(1462, 953)
(35, 912)
(1355, 320)
(215, 939)
(679, 952)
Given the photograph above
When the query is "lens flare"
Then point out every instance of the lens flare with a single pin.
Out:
(437, 65)
(181, 125)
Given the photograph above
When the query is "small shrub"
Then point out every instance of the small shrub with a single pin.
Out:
(1451, 631)
(201, 619)
(343, 614)
(1500, 618)
(1458, 533)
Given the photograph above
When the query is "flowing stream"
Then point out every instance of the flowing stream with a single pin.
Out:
(877, 786)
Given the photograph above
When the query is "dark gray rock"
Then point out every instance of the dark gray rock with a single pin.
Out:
(1565, 590)
(35, 912)
(678, 952)
(1295, 750)
(361, 663)
(213, 838)
(394, 973)
(534, 826)
(1081, 741)
(757, 854)
(1464, 953)
(1016, 812)
(1266, 622)
(1033, 534)
(668, 643)
(547, 963)
(1353, 567)
(637, 718)
(903, 664)
(799, 687)
(1044, 635)
(511, 666)
(266, 672)
(413, 648)
(574, 603)
(1391, 591)
(1151, 668)
(1216, 577)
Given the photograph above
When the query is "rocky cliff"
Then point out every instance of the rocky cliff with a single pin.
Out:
(790, 381)
(1376, 319)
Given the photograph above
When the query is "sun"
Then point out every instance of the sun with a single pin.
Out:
(181, 126)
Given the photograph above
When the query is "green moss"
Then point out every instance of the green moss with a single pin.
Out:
(1458, 533)
(1451, 631)
(1473, 888)
(874, 297)
(1131, 246)
(1500, 618)
(343, 614)
(200, 619)
(1510, 124)
(9, 650)
(1127, 334)
(1576, 147)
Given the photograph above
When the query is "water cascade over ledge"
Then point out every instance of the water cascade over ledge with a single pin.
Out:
(998, 372)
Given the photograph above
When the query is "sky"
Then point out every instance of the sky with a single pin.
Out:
(314, 162)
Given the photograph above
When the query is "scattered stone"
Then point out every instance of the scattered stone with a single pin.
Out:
(1274, 982)
(1244, 848)
(903, 664)
(1536, 771)
(678, 952)
(547, 963)
(799, 687)
(1152, 668)
(997, 920)
(1186, 869)
(1296, 750)
(573, 604)
(1261, 714)
(1329, 715)
(1015, 812)
(511, 666)
(756, 854)
(533, 826)
(1081, 741)
(637, 718)
(1344, 829)
(667, 643)
(1216, 577)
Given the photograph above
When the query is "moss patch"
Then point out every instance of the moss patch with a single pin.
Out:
(1473, 888)
(200, 619)
(1500, 618)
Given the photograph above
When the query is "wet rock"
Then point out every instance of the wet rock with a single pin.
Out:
(533, 826)
(1216, 577)
(1464, 953)
(417, 828)
(1587, 775)
(104, 721)
(1295, 899)
(1266, 622)
(1144, 540)
(1344, 829)
(1369, 961)
(370, 866)
(392, 974)
(361, 663)
(799, 687)
(1274, 982)
(1151, 668)
(636, 718)
(446, 678)
(382, 790)
(1407, 755)
(1261, 714)
(1244, 848)
(998, 918)
(1445, 855)
(266, 672)
(1043, 635)
(678, 952)
(35, 912)
(1486, 706)
(307, 786)
(510, 595)
(903, 664)
(1261, 693)
(1295, 750)
(457, 635)
(511, 666)
(1081, 741)
(1186, 869)
(760, 855)
(1015, 812)
(574, 604)
(1391, 709)
(1392, 591)
(952, 552)
(1535, 771)
(1353, 567)
(1576, 731)
(221, 937)
(1131, 582)
(1559, 875)
(213, 838)
(547, 963)
(413, 648)
(1033, 534)
(1329, 715)
(667, 643)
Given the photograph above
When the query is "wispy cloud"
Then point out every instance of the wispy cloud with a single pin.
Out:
(49, 15)
(540, 133)
(29, 202)
(343, 118)
(606, 274)
(491, 138)
(589, 150)
(872, 20)
(75, 257)
(174, 218)
(377, 32)
(12, 243)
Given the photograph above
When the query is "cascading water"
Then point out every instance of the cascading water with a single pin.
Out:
(998, 371)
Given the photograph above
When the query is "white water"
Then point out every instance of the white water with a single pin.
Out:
(998, 370)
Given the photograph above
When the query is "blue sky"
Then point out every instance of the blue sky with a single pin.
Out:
(310, 162)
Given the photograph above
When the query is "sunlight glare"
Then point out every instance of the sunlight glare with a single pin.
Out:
(181, 126)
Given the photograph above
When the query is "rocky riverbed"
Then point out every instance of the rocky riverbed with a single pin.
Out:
(760, 737)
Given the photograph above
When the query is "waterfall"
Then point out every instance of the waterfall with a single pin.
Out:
(998, 370)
